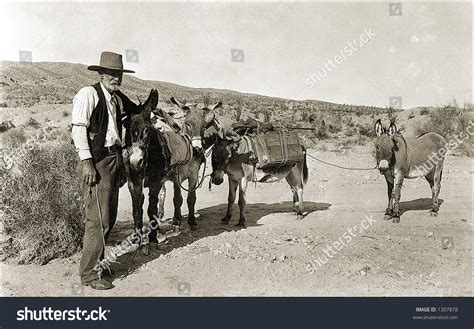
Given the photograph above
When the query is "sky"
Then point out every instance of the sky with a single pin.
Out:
(352, 53)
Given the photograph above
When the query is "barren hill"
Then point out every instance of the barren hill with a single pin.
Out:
(27, 84)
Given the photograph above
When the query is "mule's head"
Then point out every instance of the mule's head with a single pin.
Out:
(385, 145)
(140, 130)
(196, 121)
(224, 147)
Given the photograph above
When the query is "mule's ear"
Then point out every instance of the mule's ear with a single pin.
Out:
(379, 130)
(215, 106)
(182, 106)
(152, 102)
(221, 133)
(392, 130)
(172, 113)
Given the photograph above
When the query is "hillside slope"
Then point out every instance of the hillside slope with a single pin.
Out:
(27, 84)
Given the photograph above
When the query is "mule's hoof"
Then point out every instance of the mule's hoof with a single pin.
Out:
(240, 224)
(225, 221)
(396, 219)
(388, 217)
(433, 213)
(146, 250)
(299, 216)
(153, 246)
(193, 227)
(176, 221)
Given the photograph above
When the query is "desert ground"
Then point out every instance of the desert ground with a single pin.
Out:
(276, 255)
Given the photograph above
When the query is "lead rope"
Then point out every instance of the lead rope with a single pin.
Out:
(203, 177)
(341, 167)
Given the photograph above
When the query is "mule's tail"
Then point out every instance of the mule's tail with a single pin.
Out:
(305, 168)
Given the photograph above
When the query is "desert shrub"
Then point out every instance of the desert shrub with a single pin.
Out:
(320, 147)
(6, 125)
(366, 130)
(60, 134)
(206, 99)
(32, 123)
(343, 146)
(267, 116)
(14, 138)
(318, 123)
(424, 111)
(43, 216)
(348, 131)
(348, 121)
(445, 121)
(392, 114)
(335, 123)
(362, 140)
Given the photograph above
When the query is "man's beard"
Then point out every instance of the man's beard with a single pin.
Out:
(115, 87)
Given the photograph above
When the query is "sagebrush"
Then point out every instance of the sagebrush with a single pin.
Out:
(43, 215)
(448, 121)
(445, 121)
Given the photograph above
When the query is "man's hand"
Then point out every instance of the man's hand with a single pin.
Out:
(89, 173)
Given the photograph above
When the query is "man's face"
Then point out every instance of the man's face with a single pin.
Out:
(111, 79)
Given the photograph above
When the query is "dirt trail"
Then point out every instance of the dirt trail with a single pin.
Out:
(277, 254)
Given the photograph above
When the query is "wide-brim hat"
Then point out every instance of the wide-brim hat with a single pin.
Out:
(110, 61)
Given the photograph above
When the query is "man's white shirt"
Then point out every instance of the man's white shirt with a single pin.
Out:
(84, 103)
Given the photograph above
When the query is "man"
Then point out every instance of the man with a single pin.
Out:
(97, 135)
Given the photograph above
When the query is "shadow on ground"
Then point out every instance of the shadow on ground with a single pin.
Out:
(208, 225)
(418, 204)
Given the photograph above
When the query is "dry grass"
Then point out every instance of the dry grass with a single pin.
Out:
(14, 138)
(43, 217)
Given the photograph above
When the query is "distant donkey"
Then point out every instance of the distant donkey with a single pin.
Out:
(148, 166)
(399, 158)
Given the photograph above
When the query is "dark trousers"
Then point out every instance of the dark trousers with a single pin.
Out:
(101, 202)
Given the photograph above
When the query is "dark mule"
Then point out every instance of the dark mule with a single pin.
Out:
(145, 164)
(148, 165)
(399, 158)
(232, 156)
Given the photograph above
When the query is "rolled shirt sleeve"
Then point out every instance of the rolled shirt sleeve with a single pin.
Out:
(83, 104)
